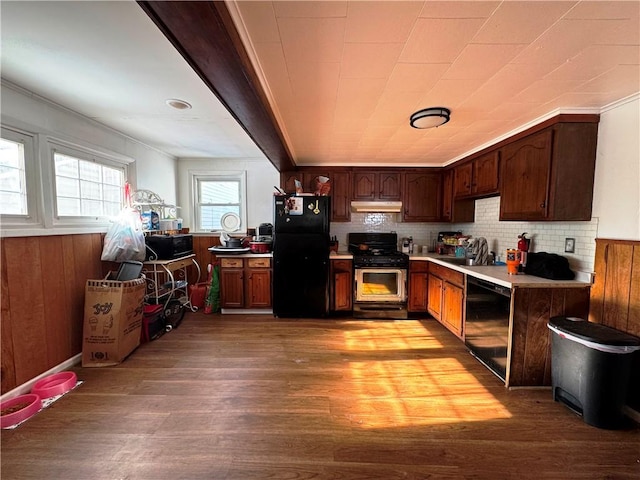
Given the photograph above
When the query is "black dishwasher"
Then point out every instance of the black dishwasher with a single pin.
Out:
(487, 323)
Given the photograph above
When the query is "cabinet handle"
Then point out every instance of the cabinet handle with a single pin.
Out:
(542, 205)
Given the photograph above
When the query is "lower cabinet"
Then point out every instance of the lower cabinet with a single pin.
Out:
(341, 286)
(446, 297)
(245, 282)
(418, 286)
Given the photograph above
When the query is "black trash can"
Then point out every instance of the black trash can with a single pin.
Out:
(590, 369)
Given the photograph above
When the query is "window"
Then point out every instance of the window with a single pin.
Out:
(19, 192)
(214, 197)
(13, 187)
(87, 188)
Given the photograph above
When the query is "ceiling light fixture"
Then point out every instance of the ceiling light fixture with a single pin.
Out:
(178, 104)
(430, 117)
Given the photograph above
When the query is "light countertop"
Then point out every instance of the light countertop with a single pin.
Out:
(491, 273)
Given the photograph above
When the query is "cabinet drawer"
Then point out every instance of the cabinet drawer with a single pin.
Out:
(231, 263)
(418, 266)
(447, 274)
(259, 262)
(342, 265)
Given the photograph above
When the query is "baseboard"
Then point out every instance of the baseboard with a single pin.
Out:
(27, 386)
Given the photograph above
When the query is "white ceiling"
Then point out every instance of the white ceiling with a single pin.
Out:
(342, 77)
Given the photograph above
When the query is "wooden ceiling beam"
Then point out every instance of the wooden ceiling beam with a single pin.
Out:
(205, 35)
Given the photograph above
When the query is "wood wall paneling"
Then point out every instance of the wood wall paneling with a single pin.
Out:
(7, 366)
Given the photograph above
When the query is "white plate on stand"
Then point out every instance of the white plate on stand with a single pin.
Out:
(230, 222)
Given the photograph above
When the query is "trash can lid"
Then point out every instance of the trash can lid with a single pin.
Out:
(593, 332)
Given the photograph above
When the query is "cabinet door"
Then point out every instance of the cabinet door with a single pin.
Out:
(231, 288)
(525, 178)
(462, 180)
(342, 285)
(340, 197)
(364, 186)
(421, 197)
(418, 291)
(389, 186)
(287, 181)
(258, 288)
(343, 291)
(452, 307)
(434, 296)
(447, 195)
(485, 174)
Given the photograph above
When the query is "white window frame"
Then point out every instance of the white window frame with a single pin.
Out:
(54, 145)
(33, 216)
(197, 177)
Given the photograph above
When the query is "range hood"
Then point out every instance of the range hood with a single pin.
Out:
(378, 207)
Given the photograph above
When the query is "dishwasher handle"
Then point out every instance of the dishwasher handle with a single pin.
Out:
(504, 291)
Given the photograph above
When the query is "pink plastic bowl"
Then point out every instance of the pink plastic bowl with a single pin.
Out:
(33, 406)
(55, 384)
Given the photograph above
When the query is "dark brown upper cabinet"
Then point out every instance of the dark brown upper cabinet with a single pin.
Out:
(455, 210)
(479, 177)
(421, 196)
(549, 175)
(379, 185)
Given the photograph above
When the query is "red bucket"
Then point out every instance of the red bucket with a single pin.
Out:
(197, 294)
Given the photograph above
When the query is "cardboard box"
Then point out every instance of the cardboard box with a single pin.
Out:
(112, 320)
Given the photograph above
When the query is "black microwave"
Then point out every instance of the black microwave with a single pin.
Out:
(168, 247)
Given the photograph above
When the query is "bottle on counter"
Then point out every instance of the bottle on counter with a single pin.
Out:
(410, 245)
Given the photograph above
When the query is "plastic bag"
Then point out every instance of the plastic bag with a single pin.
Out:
(125, 239)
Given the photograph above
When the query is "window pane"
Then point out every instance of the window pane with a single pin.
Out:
(90, 171)
(67, 187)
(219, 192)
(92, 208)
(85, 188)
(13, 186)
(66, 166)
(112, 193)
(69, 207)
(10, 153)
(12, 203)
(210, 216)
(91, 190)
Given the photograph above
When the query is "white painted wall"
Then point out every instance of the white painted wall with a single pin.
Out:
(261, 176)
(616, 201)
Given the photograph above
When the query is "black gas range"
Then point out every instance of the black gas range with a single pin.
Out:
(380, 276)
(376, 250)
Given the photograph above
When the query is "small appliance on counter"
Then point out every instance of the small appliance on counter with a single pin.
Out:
(168, 247)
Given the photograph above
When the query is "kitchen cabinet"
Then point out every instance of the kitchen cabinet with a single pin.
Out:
(477, 178)
(548, 175)
(446, 297)
(340, 192)
(245, 282)
(421, 199)
(341, 285)
(379, 185)
(418, 286)
(455, 210)
(340, 196)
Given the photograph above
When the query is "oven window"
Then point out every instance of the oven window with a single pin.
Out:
(383, 284)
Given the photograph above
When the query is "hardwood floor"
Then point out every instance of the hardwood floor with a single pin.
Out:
(255, 397)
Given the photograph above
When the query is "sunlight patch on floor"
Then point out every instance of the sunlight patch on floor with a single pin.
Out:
(412, 391)
(390, 337)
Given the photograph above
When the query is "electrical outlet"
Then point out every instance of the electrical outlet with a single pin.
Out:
(569, 245)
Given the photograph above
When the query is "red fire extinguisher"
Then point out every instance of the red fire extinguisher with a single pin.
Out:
(523, 246)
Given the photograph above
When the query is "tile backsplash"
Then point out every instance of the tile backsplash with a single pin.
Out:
(545, 236)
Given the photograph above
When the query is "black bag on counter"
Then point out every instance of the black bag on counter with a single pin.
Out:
(548, 265)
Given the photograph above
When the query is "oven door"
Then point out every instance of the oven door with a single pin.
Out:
(380, 285)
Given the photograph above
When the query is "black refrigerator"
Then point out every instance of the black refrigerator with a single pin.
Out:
(301, 256)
